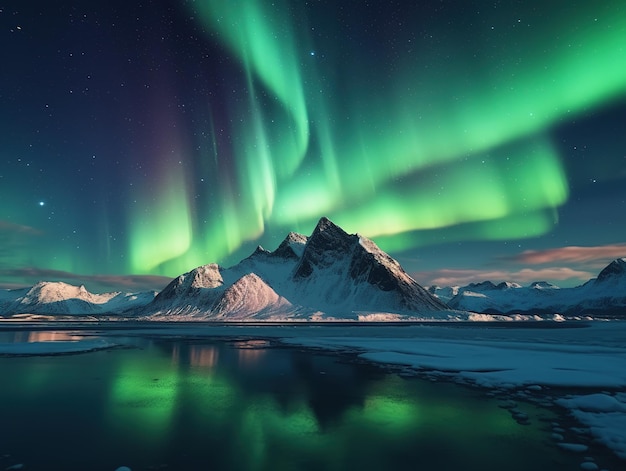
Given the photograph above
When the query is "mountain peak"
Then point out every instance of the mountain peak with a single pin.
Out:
(57, 290)
(338, 267)
(616, 268)
(542, 285)
(325, 225)
(295, 238)
(508, 285)
(481, 286)
(327, 243)
(292, 246)
(190, 283)
(206, 276)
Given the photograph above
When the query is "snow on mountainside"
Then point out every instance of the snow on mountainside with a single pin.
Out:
(604, 295)
(62, 298)
(250, 297)
(330, 274)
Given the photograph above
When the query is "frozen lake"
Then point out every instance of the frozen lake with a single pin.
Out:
(233, 399)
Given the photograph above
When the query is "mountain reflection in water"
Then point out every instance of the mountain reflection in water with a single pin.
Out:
(240, 405)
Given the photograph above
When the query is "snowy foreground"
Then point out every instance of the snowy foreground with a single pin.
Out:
(578, 366)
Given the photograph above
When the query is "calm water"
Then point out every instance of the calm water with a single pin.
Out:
(238, 405)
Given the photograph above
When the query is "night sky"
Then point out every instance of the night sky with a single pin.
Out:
(471, 140)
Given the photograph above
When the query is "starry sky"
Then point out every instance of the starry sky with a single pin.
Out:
(471, 140)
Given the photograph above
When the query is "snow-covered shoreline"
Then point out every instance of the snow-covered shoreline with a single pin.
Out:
(591, 359)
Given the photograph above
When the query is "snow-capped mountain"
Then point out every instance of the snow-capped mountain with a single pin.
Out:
(61, 298)
(604, 295)
(330, 274)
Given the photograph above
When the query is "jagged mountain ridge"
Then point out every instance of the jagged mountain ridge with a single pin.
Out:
(329, 274)
(604, 295)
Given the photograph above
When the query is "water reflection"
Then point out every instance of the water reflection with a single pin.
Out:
(52, 336)
(205, 356)
(260, 396)
(251, 352)
(242, 406)
(202, 356)
(142, 399)
(39, 336)
(250, 357)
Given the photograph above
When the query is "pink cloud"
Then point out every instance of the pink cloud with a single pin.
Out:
(94, 283)
(571, 254)
(11, 227)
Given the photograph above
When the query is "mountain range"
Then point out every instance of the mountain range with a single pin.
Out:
(329, 275)
(602, 296)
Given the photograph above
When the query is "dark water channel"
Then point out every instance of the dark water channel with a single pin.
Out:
(239, 405)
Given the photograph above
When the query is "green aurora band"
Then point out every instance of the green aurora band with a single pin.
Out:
(460, 145)
(450, 140)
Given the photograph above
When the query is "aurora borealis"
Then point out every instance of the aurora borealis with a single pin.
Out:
(141, 139)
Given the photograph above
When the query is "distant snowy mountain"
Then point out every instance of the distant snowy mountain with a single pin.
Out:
(8, 297)
(445, 293)
(604, 295)
(58, 298)
(330, 274)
